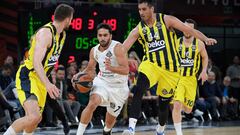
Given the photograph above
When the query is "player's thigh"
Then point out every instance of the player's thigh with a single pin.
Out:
(167, 83)
(99, 88)
(151, 71)
(179, 93)
(191, 91)
(117, 98)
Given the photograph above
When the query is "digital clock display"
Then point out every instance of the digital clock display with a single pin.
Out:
(81, 36)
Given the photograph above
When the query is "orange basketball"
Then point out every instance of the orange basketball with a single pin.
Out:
(83, 83)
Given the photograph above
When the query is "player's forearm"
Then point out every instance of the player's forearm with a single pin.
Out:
(126, 46)
(123, 70)
(204, 63)
(199, 35)
(40, 72)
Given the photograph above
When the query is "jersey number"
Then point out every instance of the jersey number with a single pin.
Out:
(117, 109)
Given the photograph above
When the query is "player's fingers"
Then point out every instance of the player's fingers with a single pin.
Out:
(56, 92)
(51, 94)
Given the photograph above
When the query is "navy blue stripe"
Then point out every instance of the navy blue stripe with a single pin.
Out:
(25, 82)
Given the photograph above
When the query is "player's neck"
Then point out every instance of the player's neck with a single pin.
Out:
(151, 20)
(59, 26)
(188, 41)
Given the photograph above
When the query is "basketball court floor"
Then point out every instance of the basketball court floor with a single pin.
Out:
(189, 128)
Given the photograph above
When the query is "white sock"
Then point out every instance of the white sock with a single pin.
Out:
(132, 123)
(178, 128)
(160, 128)
(106, 129)
(81, 128)
(10, 131)
(25, 133)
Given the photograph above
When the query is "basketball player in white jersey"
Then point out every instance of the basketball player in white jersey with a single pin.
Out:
(110, 88)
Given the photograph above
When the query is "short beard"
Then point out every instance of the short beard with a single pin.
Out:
(187, 37)
(104, 45)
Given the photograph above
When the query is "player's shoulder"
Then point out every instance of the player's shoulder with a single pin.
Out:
(45, 32)
(117, 45)
(201, 44)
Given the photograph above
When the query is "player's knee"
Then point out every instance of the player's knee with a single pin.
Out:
(177, 105)
(34, 119)
(91, 106)
(94, 102)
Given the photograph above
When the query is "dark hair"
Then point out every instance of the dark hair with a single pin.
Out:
(192, 21)
(105, 26)
(149, 2)
(62, 12)
(60, 68)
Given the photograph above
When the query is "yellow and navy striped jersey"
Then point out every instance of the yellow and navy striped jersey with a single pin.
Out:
(159, 44)
(190, 57)
(52, 53)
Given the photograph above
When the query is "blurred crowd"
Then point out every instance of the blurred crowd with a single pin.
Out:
(217, 99)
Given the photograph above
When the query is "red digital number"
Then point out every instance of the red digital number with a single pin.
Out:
(78, 23)
(112, 22)
(90, 24)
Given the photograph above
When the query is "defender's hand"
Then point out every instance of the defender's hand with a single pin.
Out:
(210, 41)
(203, 76)
(52, 90)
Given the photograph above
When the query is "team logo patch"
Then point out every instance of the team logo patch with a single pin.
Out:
(144, 30)
(164, 91)
(187, 54)
(159, 25)
(109, 54)
(112, 105)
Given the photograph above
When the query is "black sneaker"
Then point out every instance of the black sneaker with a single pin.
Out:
(107, 133)
(66, 129)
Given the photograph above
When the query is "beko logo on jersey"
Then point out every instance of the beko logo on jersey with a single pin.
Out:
(187, 62)
(156, 45)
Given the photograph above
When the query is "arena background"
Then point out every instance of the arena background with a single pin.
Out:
(219, 19)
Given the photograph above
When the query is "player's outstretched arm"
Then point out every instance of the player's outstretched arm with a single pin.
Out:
(132, 37)
(43, 42)
(204, 56)
(173, 22)
(122, 60)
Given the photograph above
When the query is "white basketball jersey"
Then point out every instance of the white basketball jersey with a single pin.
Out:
(104, 74)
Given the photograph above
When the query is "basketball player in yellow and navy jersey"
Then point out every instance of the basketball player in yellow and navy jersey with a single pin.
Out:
(32, 77)
(192, 51)
(160, 62)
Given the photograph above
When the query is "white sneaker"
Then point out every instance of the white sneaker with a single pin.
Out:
(197, 113)
(129, 131)
(152, 120)
(194, 119)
